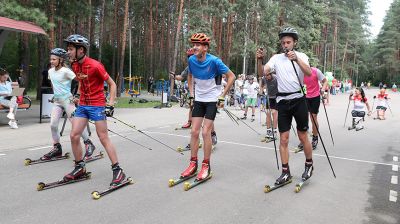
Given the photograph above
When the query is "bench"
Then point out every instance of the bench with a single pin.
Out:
(23, 104)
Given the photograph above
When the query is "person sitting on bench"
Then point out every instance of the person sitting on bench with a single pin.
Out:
(6, 99)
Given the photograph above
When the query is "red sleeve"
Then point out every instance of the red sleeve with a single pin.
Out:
(365, 99)
(102, 72)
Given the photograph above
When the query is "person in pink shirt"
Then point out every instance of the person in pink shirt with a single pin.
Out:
(313, 96)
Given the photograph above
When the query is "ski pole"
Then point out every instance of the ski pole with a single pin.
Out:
(237, 118)
(347, 112)
(140, 131)
(124, 137)
(273, 132)
(327, 120)
(387, 102)
(373, 103)
(319, 134)
(230, 116)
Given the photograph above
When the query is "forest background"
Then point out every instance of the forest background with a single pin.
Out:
(150, 37)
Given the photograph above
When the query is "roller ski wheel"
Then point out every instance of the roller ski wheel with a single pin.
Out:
(269, 188)
(176, 181)
(94, 158)
(299, 185)
(189, 185)
(98, 194)
(28, 161)
(43, 186)
(263, 139)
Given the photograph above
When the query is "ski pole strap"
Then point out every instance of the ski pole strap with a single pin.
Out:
(287, 94)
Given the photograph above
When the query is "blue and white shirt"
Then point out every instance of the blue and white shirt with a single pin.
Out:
(204, 74)
(5, 88)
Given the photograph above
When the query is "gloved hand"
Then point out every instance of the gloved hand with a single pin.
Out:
(221, 101)
(386, 98)
(109, 111)
(76, 98)
(374, 97)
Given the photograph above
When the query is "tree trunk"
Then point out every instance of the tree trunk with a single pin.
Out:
(101, 34)
(51, 20)
(123, 44)
(178, 30)
(151, 44)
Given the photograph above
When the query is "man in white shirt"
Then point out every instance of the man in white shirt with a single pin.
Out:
(290, 99)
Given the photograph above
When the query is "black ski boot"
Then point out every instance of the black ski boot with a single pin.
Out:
(78, 171)
(285, 176)
(244, 117)
(89, 147)
(214, 138)
(308, 170)
(118, 175)
(314, 142)
(252, 118)
(56, 151)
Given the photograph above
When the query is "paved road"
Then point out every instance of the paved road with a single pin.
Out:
(366, 164)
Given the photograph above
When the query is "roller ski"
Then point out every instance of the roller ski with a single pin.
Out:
(187, 148)
(78, 174)
(204, 175)
(269, 137)
(306, 175)
(89, 148)
(299, 148)
(54, 155)
(283, 180)
(94, 158)
(190, 172)
(355, 123)
(117, 182)
(314, 142)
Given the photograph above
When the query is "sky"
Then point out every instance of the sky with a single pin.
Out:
(378, 9)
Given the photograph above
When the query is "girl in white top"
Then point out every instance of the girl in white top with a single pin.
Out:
(61, 78)
(6, 99)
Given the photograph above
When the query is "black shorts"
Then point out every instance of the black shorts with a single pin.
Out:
(287, 109)
(381, 108)
(272, 104)
(207, 110)
(313, 104)
(357, 113)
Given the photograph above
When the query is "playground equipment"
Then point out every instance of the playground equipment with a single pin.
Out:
(135, 86)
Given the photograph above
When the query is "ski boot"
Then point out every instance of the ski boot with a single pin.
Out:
(118, 175)
(284, 178)
(353, 124)
(187, 125)
(314, 142)
(192, 168)
(252, 118)
(214, 138)
(55, 152)
(78, 172)
(89, 147)
(244, 117)
(204, 172)
(308, 170)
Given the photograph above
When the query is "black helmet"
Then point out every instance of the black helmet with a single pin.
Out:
(289, 31)
(77, 40)
(58, 52)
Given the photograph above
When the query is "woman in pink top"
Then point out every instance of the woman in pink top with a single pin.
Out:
(313, 96)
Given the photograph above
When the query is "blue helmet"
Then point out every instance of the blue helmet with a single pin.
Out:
(59, 52)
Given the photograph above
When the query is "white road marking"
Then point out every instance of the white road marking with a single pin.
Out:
(395, 158)
(42, 147)
(393, 196)
(394, 180)
(263, 147)
(395, 168)
(164, 127)
(1, 154)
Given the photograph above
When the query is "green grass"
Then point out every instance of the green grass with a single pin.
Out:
(124, 103)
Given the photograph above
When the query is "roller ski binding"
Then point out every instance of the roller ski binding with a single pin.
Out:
(282, 180)
(306, 175)
(186, 175)
(118, 182)
(54, 155)
(204, 175)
